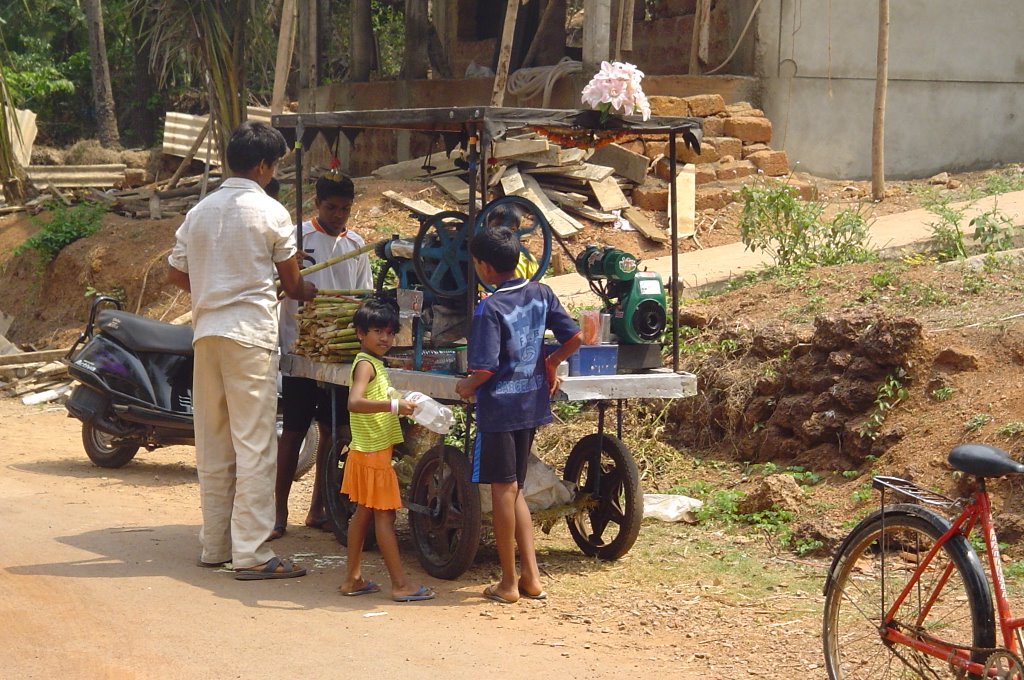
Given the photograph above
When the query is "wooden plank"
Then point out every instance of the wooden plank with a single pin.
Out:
(586, 172)
(597, 22)
(505, 55)
(512, 182)
(686, 201)
(629, 164)
(562, 224)
(645, 225)
(608, 194)
(29, 357)
(283, 63)
(416, 206)
(23, 144)
(555, 156)
(584, 210)
(456, 187)
(519, 147)
(413, 168)
(496, 174)
(564, 198)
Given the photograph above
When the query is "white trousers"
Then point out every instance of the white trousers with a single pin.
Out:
(234, 393)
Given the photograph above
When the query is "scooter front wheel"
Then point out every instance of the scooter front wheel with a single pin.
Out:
(103, 450)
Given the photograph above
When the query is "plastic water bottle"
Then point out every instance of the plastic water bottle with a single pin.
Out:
(430, 414)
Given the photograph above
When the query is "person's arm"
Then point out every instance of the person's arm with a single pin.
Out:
(357, 401)
(179, 278)
(292, 283)
(564, 351)
(467, 386)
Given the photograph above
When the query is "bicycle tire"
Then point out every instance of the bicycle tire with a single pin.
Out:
(854, 597)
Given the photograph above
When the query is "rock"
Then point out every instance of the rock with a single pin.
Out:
(733, 169)
(749, 128)
(668, 106)
(817, 531)
(711, 198)
(651, 197)
(771, 163)
(708, 152)
(713, 126)
(743, 109)
(704, 105)
(774, 492)
(955, 360)
(940, 178)
(726, 146)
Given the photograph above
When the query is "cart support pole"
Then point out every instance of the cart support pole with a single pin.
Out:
(474, 167)
(674, 224)
(299, 131)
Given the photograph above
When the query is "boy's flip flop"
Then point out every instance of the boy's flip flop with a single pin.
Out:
(423, 593)
(368, 588)
(539, 596)
(270, 571)
(492, 594)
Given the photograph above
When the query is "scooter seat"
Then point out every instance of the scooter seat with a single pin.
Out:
(145, 335)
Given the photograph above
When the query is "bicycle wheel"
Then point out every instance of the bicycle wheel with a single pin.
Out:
(960, 618)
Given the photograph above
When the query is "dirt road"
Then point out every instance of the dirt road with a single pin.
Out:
(98, 580)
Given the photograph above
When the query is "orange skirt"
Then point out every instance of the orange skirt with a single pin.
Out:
(370, 480)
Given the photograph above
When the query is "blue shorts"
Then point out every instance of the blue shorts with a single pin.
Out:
(501, 457)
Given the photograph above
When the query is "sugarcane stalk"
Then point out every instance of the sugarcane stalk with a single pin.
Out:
(335, 260)
(344, 345)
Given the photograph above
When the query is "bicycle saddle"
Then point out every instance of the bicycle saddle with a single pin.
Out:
(982, 460)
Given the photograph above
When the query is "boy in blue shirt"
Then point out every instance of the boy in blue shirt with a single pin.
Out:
(513, 385)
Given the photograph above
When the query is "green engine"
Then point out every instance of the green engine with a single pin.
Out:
(636, 300)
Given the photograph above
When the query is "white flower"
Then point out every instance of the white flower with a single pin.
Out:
(618, 85)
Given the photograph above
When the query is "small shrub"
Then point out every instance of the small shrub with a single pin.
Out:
(66, 225)
(993, 230)
(942, 393)
(1011, 429)
(949, 240)
(976, 422)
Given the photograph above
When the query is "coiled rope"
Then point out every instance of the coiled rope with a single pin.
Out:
(529, 82)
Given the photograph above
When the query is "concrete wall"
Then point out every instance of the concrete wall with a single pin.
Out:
(955, 98)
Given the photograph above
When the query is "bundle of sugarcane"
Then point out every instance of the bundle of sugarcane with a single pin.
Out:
(325, 326)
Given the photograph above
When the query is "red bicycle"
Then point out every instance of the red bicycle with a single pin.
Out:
(907, 595)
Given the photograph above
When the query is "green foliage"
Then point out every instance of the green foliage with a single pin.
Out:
(721, 506)
(806, 546)
(1014, 570)
(949, 240)
(976, 422)
(33, 76)
(1011, 429)
(567, 411)
(66, 225)
(117, 292)
(793, 232)
(890, 394)
(862, 493)
(695, 489)
(942, 393)
(1010, 179)
(993, 230)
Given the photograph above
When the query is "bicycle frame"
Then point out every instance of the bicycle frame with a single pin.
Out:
(978, 510)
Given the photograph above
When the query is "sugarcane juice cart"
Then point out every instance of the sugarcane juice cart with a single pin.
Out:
(437, 291)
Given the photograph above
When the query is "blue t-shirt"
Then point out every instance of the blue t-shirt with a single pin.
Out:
(508, 341)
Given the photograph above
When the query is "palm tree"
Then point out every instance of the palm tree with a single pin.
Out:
(211, 35)
(102, 94)
(12, 175)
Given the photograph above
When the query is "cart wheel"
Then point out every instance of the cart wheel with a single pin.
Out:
(440, 254)
(536, 224)
(338, 507)
(602, 467)
(447, 534)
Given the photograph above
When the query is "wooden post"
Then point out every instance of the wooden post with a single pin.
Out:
(881, 85)
(285, 47)
(701, 21)
(597, 22)
(308, 76)
(505, 55)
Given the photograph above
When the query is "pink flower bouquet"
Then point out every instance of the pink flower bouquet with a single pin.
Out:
(617, 86)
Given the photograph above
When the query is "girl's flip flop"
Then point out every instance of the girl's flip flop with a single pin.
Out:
(423, 593)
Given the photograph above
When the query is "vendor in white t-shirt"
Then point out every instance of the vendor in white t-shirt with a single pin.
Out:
(323, 237)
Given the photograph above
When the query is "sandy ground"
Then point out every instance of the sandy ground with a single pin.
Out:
(98, 580)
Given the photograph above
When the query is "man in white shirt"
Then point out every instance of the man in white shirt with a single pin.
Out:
(225, 254)
(325, 236)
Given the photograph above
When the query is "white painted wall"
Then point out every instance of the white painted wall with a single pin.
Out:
(956, 84)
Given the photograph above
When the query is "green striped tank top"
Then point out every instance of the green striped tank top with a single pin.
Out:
(374, 431)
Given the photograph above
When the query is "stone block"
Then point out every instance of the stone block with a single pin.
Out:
(713, 198)
(713, 126)
(668, 106)
(735, 170)
(727, 146)
(703, 105)
(749, 128)
(706, 173)
(750, 149)
(708, 152)
(771, 163)
(651, 197)
(743, 109)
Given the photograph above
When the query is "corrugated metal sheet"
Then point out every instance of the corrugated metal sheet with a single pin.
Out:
(74, 176)
(181, 130)
(27, 126)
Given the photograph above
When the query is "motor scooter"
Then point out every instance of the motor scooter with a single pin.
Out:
(135, 388)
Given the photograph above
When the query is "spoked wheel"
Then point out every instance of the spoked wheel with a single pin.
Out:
(532, 223)
(873, 566)
(447, 533)
(106, 450)
(440, 255)
(307, 452)
(337, 505)
(603, 468)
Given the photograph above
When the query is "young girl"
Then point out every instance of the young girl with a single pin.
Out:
(370, 481)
